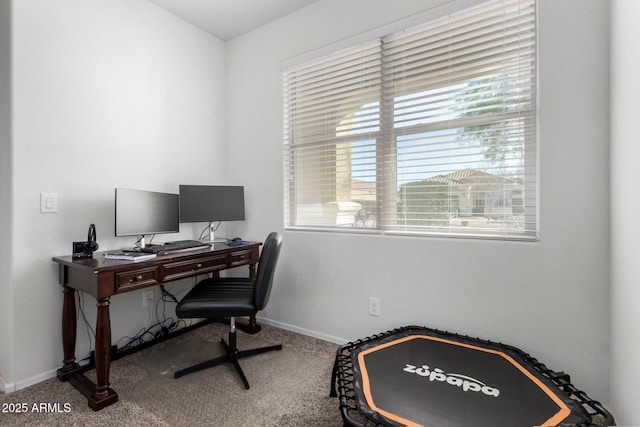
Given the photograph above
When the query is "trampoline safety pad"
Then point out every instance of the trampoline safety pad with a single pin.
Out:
(418, 376)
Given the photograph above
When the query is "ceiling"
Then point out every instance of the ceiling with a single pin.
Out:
(227, 19)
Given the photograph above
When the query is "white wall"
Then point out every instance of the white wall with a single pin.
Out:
(549, 298)
(5, 184)
(106, 93)
(625, 205)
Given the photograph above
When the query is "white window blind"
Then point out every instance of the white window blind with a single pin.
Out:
(430, 130)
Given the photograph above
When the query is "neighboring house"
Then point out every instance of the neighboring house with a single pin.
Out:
(434, 201)
(467, 197)
(476, 193)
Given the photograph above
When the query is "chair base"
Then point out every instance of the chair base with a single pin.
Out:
(232, 354)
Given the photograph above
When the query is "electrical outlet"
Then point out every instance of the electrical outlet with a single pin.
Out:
(374, 306)
(147, 298)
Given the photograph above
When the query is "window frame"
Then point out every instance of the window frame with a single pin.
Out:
(387, 131)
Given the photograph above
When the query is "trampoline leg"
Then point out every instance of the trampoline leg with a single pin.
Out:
(334, 373)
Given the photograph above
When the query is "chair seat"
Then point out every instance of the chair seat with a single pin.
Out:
(219, 298)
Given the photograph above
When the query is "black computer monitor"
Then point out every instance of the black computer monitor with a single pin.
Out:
(140, 212)
(211, 203)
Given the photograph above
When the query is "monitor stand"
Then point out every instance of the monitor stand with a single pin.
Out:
(211, 232)
(140, 245)
(212, 237)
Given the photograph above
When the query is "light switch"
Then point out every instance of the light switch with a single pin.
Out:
(48, 202)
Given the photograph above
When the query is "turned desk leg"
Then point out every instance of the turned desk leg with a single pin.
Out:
(103, 347)
(68, 332)
(99, 395)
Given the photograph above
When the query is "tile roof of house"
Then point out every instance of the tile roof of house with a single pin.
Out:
(458, 177)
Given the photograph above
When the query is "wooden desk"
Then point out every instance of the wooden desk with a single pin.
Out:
(104, 278)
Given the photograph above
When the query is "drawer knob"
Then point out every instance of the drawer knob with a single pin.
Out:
(197, 267)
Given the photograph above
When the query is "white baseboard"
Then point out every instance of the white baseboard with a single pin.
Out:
(18, 385)
(6, 387)
(302, 331)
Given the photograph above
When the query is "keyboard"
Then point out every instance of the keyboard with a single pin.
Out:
(175, 247)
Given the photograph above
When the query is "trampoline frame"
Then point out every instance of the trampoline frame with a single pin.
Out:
(343, 379)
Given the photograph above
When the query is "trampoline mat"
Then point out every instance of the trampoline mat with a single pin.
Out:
(419, 376)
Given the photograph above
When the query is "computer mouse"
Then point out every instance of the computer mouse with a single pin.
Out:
(236, 239)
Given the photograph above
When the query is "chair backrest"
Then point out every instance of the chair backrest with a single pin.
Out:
(266, 269)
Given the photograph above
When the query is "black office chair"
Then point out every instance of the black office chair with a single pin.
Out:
(225, 298)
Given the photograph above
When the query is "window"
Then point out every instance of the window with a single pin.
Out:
(426, 131)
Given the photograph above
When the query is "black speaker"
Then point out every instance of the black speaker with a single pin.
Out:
(86, 249)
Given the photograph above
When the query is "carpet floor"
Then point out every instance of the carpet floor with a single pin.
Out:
(288, 387)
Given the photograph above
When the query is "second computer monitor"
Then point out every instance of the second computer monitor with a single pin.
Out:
(139, 212)
(211, 203)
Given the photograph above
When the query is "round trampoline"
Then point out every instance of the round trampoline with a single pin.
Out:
(417, 376)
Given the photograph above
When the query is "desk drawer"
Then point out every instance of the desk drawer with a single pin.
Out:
(240, 258)
(134, 279)
(178, 270)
